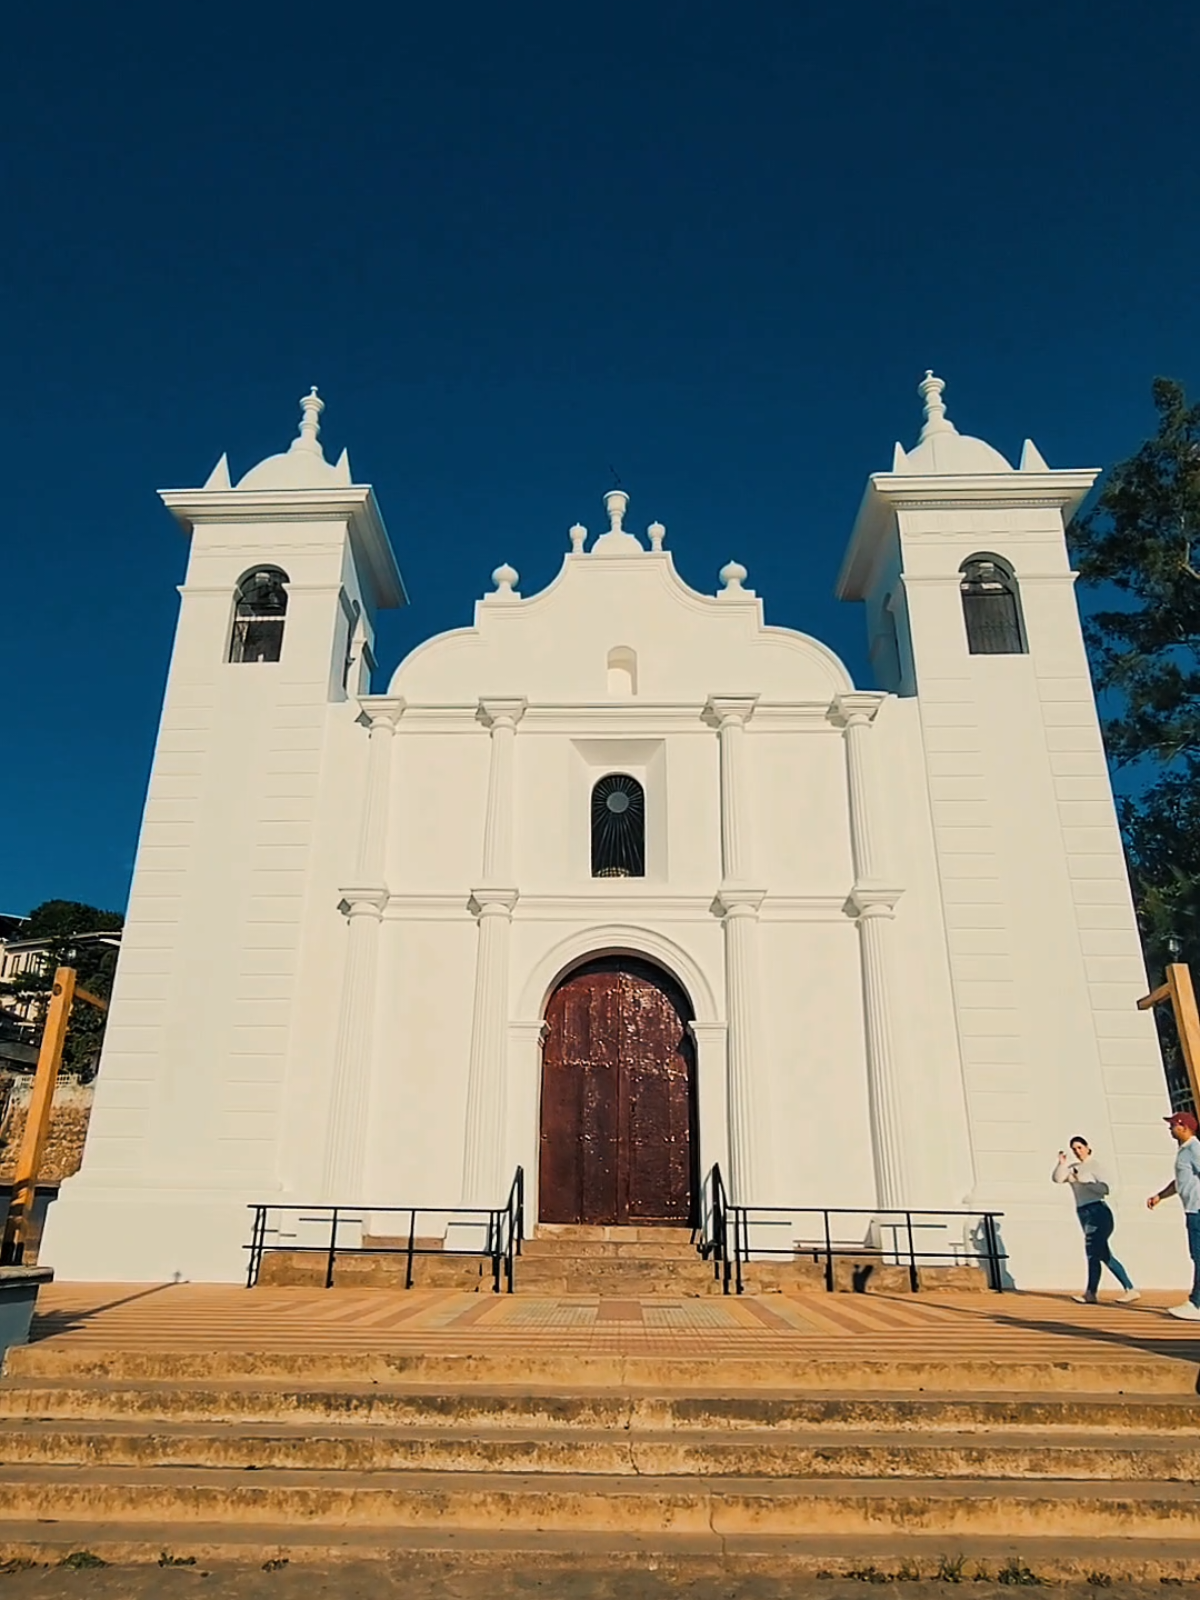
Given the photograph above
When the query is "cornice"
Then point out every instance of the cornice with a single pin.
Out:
(889, 493)
(642, 908)
(354, 504)
(651, 719)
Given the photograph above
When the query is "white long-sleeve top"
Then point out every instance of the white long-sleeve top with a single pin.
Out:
(1087, 1180)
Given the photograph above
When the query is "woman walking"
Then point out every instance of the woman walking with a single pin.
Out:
(1089, 1187)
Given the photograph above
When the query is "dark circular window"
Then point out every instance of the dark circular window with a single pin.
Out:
(618, 827)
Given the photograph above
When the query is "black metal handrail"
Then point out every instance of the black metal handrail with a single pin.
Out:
(502, 1229)
(714, 1225)
(729, 1228)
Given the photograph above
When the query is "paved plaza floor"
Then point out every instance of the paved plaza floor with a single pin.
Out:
(213, 1318)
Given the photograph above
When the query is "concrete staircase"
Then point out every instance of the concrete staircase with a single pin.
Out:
(519, 1458)
(564, 1258)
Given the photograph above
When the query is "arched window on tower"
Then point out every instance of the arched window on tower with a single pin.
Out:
(991, 603)
(259, 610)
(618, 827)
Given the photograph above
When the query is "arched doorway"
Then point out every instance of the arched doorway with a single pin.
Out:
(618, 1141)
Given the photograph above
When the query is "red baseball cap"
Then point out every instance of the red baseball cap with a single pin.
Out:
(1187, 1119)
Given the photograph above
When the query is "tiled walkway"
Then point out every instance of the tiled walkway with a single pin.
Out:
(200, 1317)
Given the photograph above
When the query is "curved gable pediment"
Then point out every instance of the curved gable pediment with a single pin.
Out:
(620, 626)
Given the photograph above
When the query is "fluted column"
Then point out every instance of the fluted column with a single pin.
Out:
(484, 1181)
(746, 1071)
(738, 903)
(874, 902)
(362, 903)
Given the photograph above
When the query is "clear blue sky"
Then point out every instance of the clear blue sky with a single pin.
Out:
(712, 245)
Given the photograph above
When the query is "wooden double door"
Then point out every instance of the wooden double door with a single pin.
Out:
(618, 1138)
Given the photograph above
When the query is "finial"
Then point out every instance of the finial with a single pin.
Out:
(311, 407)
(936, 420)
(615, 502)
(578, 535)
(733, 574)
(657, 533)
(505, 578)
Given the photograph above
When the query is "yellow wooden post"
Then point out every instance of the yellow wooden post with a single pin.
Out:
(37, 1120)
(1187, 1021)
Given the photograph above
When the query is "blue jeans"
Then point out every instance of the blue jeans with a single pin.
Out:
(1097, 1223)
(1193, 1231)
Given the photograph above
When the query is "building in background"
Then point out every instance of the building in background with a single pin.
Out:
(619, 881)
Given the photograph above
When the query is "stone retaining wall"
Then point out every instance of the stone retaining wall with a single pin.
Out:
(68, 1129)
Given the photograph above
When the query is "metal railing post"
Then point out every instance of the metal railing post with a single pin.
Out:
(995, 1274)
(913, 1282)
(412, 1234)
(333, 1227)
(830, 1282)
(256, 1238)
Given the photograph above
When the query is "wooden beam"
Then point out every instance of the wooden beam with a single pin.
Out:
(1187, 1021)
(37, 1118)
(1155, 998)
(92, 999)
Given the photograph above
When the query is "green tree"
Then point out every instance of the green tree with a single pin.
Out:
(1137, 549)
(60, 923)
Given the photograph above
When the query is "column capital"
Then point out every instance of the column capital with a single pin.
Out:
(383, 713)
(502, 713)
(714, 1033)
(492, 900)
(529, 1032)
(363, 900)
(736, 900)
(855, 709)
(873, 900)
(721, 710)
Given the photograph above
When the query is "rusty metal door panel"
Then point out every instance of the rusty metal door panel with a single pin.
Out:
(618, 1098)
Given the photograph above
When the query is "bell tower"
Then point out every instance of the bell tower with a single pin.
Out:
(287, 571)
(962, 564)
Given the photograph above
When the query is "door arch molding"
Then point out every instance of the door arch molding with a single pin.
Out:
(617, 939)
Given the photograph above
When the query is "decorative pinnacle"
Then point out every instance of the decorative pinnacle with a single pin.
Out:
(733, 575)
(505, 578)
(657, 533)
(936, 420)
(311, 407)
(578, 535)
(615, 502)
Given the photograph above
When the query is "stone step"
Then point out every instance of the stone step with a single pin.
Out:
(561, 1262)
(581, 1503)
(608, 1250)
(1133, 1459)
(637, 1279)
(585, 1286)
(1121, 1372)
(666, 1563)
(590, 1233)
(1099, 1418)
(387, 1270)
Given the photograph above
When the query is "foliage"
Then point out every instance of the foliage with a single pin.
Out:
(59, 923)
(1138, 548)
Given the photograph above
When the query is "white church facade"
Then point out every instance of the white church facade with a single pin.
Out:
(620, 882)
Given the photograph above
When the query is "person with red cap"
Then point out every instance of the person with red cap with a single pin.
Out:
(1186, 1184)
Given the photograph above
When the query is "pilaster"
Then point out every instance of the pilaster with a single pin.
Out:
(873, 903)
(492, 906)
